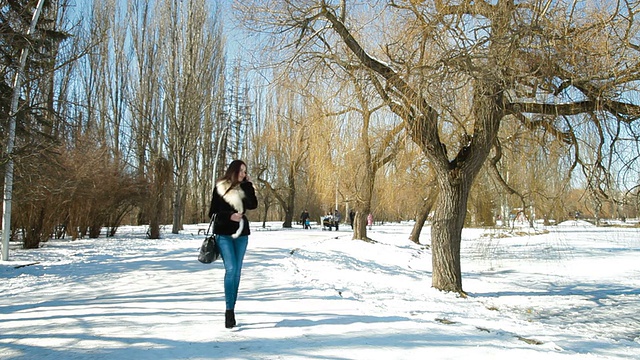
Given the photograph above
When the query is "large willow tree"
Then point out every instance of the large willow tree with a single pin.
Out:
(455, 71)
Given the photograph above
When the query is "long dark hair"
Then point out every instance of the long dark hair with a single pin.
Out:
(232, 172)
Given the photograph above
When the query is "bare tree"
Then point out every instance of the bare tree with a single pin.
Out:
(377, 146)
(285, 139)
(144, 99)
(30, 44)
(187, 79)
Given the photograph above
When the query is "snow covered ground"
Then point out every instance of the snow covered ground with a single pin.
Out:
(571, 293)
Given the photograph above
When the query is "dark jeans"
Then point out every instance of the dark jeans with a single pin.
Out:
(232, 251)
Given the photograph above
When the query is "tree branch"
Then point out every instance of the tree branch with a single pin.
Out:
(625, 111)
(422, 125)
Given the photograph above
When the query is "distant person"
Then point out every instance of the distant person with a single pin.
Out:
(370, 220)
(233, 196)
(352, 215)
(304, 218)
(327, 221)
(336, 218)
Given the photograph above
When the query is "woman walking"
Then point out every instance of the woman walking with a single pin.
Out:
(233, 196)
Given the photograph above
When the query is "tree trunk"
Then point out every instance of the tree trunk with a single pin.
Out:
(288, 218)
(161, 177)
(363, 204)
(360, 225)
(290, 200)
(177, 207)
(427, 205)
(95, 229)
(446, 233)
(33, 235)
(264, 215)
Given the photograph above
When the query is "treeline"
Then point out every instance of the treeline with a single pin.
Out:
(131, 109)
(121, 110)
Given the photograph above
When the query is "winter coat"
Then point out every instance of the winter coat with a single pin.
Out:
(226, 202)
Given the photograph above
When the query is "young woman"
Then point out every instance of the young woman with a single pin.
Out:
(234, 194)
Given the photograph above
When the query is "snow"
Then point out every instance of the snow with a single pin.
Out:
(568, 292)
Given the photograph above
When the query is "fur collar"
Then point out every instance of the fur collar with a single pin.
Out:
(232, 196)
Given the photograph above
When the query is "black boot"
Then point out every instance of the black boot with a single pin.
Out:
(229, 319)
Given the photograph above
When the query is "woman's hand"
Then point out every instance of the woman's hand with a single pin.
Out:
(237, 217)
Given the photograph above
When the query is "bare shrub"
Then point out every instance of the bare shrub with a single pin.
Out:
(79, 189)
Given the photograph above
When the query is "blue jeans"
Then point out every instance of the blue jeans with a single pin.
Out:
(232, 251)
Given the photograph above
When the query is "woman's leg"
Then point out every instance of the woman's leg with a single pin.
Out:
(240, 245)
(232, 251)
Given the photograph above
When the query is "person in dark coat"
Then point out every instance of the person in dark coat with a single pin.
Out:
(234, 194)
(337, 217)
(304, 219)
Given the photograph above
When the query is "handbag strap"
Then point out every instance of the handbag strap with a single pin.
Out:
(211, 224)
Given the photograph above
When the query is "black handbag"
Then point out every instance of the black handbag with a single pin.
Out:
(209, 250)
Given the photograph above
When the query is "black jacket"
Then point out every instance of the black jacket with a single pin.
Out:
(227, 201)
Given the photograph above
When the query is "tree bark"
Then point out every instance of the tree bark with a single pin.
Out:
(427, 205)
(446, 234)
(161, 177)
(364, 199)
(177, 207)
(290, 199)
(360, 225)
